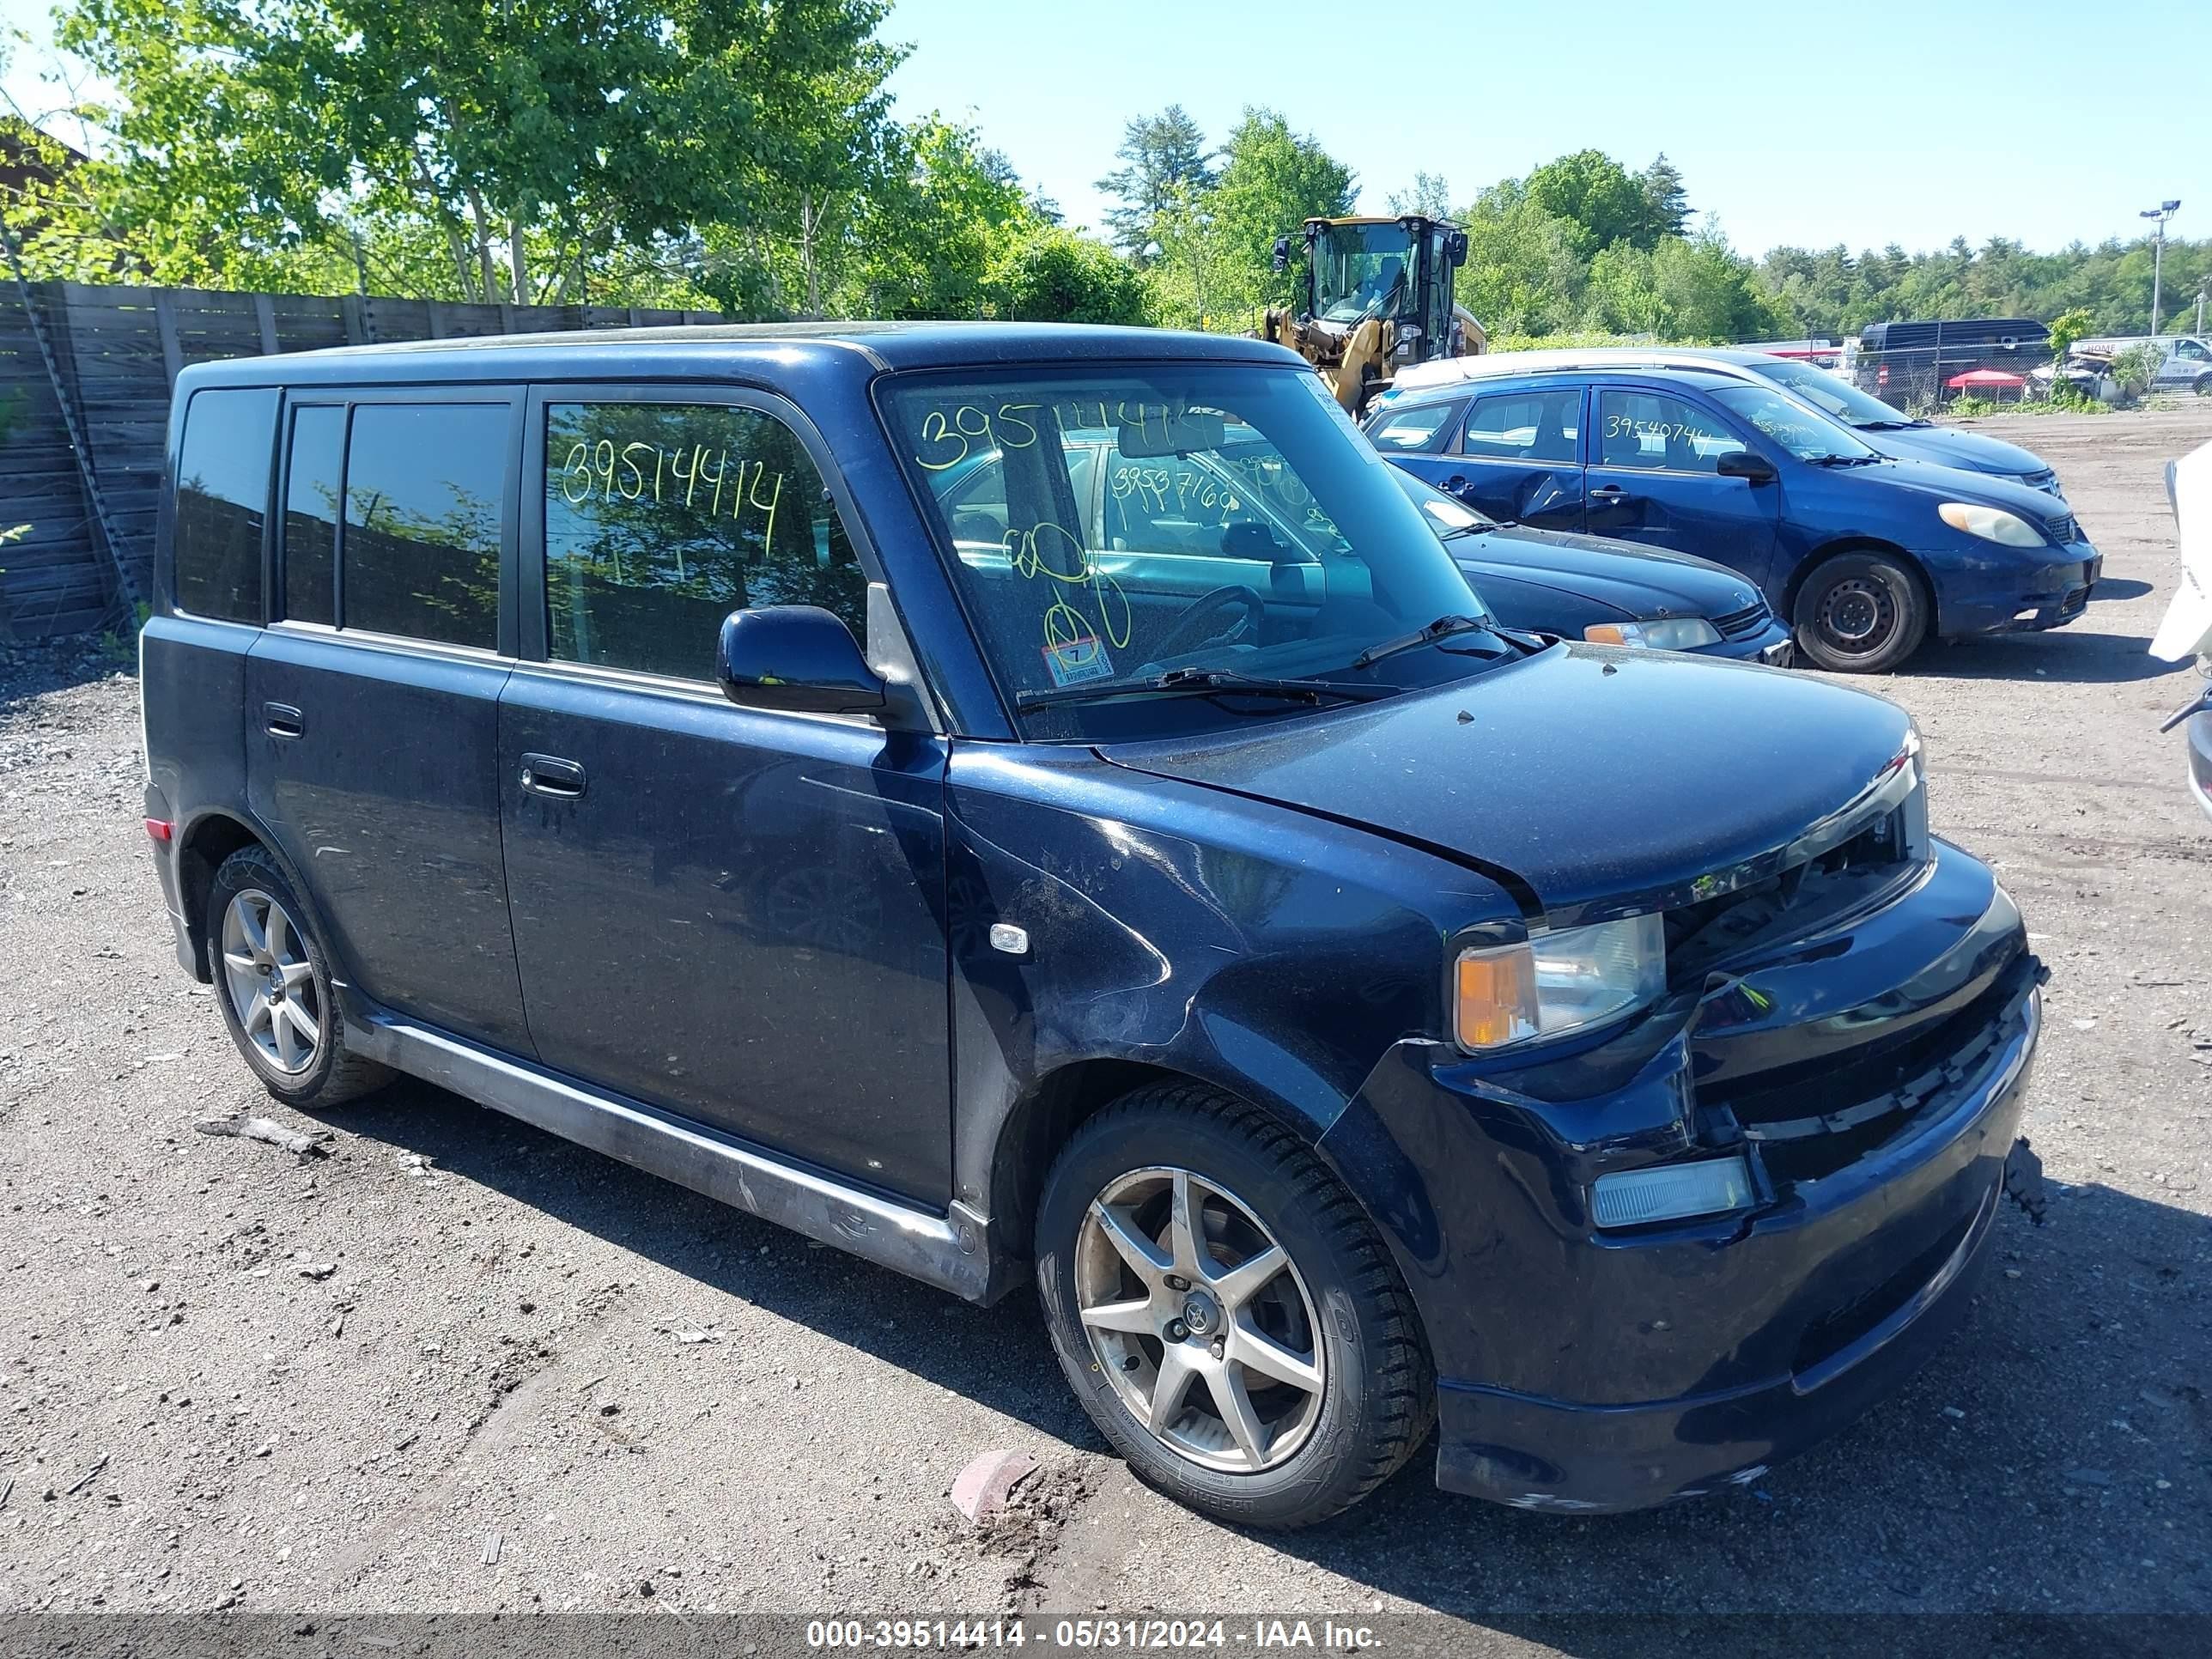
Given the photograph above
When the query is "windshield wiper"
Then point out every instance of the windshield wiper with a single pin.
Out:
(1843, 461)
(1201, 683)
(1442, 627)
(1886, 426)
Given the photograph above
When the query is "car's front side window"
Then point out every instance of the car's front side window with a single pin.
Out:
(1244, 528)
(1653, 432)
(663, 518)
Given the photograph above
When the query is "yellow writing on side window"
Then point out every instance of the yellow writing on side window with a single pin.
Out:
(686, 476)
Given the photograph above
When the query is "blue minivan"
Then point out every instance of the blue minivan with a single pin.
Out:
(762, 755)
(1864, 554)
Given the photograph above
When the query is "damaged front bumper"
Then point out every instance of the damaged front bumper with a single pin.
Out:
(1871, 1074)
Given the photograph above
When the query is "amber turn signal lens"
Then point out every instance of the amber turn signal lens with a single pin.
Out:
(1497, 997)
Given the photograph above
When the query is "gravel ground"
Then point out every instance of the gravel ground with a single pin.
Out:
(460, 1365)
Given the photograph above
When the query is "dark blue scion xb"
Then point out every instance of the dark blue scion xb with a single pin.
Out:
(1170, 888)
(1866, 555)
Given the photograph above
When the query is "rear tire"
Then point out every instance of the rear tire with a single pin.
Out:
(2204, 385)
(1861, 613)
(272, 982)
(1301, 1380)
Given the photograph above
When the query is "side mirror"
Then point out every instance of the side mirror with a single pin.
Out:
(1455, 248)
(797, 658)
(1282, 253)
(1751, 467)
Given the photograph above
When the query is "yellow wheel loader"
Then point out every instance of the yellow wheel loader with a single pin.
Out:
(1378, 295)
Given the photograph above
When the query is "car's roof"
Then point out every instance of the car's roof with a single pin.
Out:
(1416, 385)
(1727, 362)
(745, 349)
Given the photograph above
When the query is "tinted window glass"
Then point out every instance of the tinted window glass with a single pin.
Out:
(223, 494)
(311, 512)
(1653, 432)
(661, 518)
(425, 483)
(1420, 427)
(1524, 426)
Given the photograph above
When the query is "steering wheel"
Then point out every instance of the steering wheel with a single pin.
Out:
(1200, 611)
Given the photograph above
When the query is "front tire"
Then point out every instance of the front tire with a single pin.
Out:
(1226, 1313)
(1861, 613)
(272, 982)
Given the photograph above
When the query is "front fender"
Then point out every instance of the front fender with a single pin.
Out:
(1176, 927)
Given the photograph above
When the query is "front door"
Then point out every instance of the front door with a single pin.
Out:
(1518, 458)
(729, 914)
(372, 702)
(1653, 479)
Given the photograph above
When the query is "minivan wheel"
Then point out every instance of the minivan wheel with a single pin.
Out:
(1861, 613)
(272, 982)
(1226, 1313)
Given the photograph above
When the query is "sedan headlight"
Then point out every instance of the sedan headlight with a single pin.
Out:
(1992, 523)
(1672, 634)
(1558, 983)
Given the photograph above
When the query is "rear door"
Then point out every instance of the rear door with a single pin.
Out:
(1653, 479)
(731, 913)
(1518, 457)
(372, 701)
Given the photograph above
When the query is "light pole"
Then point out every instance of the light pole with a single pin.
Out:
(2162, 212)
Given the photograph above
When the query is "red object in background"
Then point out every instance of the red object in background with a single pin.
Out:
(1984, 377)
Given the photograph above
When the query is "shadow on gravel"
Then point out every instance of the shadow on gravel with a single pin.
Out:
(2019, 1472)
(998, 1356)
(2071, 655)
(2110, 589)
(33, 671)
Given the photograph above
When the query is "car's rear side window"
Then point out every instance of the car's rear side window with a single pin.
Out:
(1419, 428)
(223, 498)
(1524, 426)
(424, 486)
(311, 514)
(663, 518)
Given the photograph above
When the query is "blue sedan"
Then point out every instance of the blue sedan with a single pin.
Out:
(1865, 555)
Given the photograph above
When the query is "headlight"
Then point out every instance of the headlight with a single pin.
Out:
(1558, 983)
(1675, 634)
(1992, 523)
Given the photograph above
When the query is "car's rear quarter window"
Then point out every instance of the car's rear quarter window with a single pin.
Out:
(223, 469)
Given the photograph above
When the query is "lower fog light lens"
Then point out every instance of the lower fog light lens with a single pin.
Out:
(1632, 1198)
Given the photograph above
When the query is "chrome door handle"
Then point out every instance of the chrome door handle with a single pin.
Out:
(282, 720)
(549, 775)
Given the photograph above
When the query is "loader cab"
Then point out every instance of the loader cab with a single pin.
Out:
(1398, 270)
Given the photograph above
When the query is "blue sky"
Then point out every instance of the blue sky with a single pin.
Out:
(1864, 123)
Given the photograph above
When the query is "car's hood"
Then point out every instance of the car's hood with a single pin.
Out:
(1596, 777)
(1640, 581)
(1953, 483)
(1946, 446)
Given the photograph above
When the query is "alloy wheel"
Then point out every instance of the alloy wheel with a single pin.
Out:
(1200, 1319)
(271, 984)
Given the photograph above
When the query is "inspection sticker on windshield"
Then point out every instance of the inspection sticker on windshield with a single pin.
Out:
(1070, 662)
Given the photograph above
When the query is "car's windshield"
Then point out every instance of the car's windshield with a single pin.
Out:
(1105, 527)
(1799, 428)
(1361, 270)
(1831, 394)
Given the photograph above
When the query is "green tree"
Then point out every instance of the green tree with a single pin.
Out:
(1272, 181)
(1666, 204)
(1592, 193)
(1046, 273)
(1428, 195)
(1164, 157)
(528, 137)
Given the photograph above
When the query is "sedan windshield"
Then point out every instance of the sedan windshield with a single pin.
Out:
(1799, 428)
(1132, 544)
(1832, 395)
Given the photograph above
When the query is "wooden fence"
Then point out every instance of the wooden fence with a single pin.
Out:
(117, 353)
